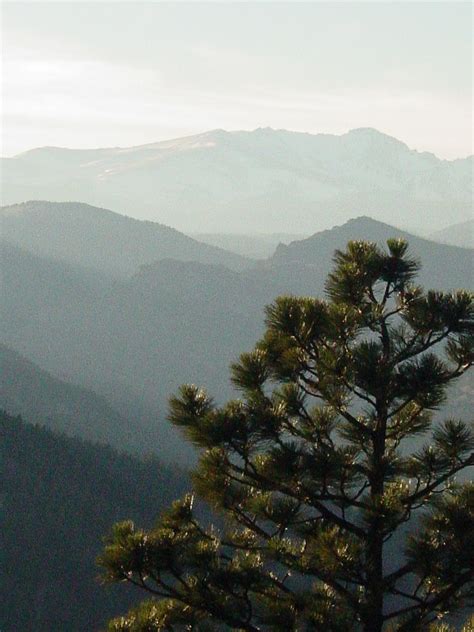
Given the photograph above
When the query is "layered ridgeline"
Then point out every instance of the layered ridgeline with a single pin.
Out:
(135, 340)
(59, 497)
(99, 239)
(261, 181)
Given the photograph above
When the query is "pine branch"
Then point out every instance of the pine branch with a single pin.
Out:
(426, 606)
(304, 496)
(428, 489)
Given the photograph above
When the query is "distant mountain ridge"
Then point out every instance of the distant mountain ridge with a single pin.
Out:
(99, 239)
(261, 181)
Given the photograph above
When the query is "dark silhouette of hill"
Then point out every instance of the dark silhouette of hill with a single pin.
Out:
(263, 181)
(101, 239)
(60, 496)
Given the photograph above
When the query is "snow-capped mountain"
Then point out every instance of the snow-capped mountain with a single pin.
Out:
(264, 180)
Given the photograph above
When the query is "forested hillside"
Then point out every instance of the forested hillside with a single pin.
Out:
(37, 396)
(98, 239)
(59, 497)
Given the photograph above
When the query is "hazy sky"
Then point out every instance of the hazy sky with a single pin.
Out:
(107, 74)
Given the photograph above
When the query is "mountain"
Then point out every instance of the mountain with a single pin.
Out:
(443, 266)
(135, 340)
(100, 239)
(59, 498)
(458, 234)
(265, 180)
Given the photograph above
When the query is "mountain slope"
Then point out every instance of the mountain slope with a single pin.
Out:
(265, 180)
(36, 395)
(132, 341)
(457, 235)
(135, 341)
(443, 266)
(60, 497)
(101, 239)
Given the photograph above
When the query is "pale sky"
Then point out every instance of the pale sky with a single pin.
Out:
(120, 74)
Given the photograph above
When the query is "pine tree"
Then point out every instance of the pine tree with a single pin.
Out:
(338, 494)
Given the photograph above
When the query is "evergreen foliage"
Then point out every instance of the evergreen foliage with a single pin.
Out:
(318, 466)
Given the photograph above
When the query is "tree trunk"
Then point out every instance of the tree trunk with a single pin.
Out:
(375, 593)
(374, 613)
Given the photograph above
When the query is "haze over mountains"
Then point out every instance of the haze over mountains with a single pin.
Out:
(100, 240)
(133, 340)
(261, 181)
(458, 234)
(145, 261)
(256, 245)
(443, 266)
(66, 408)
(103, 316)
